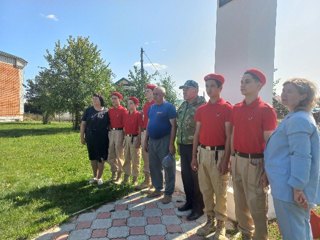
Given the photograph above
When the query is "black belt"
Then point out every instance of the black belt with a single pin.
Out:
(249, 155)
(213, 148)
(132, 136)
(116, 128)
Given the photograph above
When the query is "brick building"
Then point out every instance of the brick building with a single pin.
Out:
(11, 87)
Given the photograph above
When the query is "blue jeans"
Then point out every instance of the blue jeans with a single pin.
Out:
(158, 149)
(294, 221)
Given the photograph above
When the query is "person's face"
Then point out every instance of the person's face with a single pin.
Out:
(148, 93)
(212, 88)
(189, 93)
(158, 95)
(96, 101)
(115, 101)
(290, 96)
(249, 86)
(131, 105)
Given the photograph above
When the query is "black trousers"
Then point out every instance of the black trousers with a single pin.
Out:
(190, 179)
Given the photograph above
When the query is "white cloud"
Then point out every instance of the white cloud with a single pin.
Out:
(152, 66)
(50, 17)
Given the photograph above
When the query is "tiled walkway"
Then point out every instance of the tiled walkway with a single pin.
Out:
(135, 217)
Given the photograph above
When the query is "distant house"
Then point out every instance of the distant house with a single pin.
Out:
(11, 88)
(125, 84)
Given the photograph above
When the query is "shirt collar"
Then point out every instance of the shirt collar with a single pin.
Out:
(254, 104)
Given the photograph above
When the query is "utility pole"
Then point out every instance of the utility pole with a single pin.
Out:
(141, 62)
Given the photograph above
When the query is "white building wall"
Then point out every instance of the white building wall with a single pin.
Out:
(245, 38)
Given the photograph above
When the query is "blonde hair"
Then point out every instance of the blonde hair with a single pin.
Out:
(307, 87)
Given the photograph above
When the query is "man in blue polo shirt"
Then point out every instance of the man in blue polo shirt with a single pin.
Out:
(159, 142)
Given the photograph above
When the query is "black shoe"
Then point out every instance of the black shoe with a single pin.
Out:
(194, 216)
(184, 207)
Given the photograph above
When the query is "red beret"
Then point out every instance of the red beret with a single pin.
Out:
(135, 100)
(213, 76)
(258, 74)
(117, 94)
(151, 86)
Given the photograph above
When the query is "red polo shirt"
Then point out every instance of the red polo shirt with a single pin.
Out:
(132, 122)
(250, 122)
(146, 107)
(117, 116)
(213, 117)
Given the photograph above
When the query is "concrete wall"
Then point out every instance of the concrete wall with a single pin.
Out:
(245, 38)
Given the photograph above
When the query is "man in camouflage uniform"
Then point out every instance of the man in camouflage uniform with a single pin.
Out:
(185, 132)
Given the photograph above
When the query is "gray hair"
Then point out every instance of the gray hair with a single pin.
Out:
(306, 87)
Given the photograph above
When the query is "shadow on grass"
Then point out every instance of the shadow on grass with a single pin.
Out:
(69, 198)
(21, 132)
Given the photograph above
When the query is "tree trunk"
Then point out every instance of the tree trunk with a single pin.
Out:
(45, 118)
(76, 120)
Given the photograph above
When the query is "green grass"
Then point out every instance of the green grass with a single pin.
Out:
(44, 172)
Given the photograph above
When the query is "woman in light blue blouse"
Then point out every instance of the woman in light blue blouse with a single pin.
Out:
(292, 161)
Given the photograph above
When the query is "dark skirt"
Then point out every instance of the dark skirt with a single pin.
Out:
(97, 145)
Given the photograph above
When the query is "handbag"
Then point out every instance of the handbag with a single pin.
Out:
(315, 224)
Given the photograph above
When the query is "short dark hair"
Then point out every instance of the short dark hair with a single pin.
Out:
(100, 98)
(219, 84)
(255, 77)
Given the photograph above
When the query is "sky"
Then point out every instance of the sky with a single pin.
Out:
(177, 36)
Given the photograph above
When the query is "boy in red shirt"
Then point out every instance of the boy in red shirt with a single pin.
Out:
(145, 156)
(115, 156)
(132, 141)
(211, 153)
(253, 122)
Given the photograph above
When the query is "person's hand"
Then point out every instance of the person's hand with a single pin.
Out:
(83, 140)
(172, 149)
(300, 198)
(264, 182)
(223, 166)
(194, 164)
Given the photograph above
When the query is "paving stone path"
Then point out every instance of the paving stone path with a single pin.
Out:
(135, 217)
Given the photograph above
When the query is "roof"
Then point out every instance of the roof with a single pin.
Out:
(9, 58)
(124, 81)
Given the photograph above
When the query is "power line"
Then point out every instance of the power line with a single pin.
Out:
(144, 52)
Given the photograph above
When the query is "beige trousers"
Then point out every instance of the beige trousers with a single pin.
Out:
(115, 157)
(145, 155)
(213, 185)
(250, 198)
(131, 164)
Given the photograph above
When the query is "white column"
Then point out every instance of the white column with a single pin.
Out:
(245, 38)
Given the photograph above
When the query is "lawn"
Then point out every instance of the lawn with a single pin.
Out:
(44, 172)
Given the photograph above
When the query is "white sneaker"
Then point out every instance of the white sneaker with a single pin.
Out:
(92, 180)
(99, 181)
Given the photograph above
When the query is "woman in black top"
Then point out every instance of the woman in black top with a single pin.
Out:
(94, 132)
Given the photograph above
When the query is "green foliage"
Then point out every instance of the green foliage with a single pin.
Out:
(166, 82)
(44, 171)
(139, 82)
(76, 70)
(280, 109)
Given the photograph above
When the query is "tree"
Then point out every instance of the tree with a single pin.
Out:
(76, 70)
(166, 82)
(139, 83)
(280, 109)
